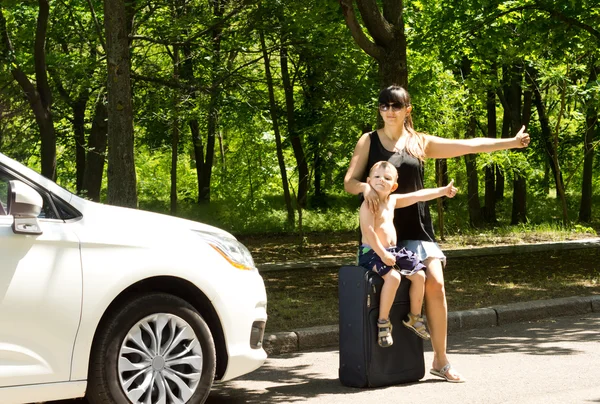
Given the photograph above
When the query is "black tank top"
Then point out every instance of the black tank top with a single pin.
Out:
(412, 222)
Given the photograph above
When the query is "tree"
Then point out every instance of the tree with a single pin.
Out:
(273, 109)
(39, 94)
(386, 27)
(122, 189)
(590, 134)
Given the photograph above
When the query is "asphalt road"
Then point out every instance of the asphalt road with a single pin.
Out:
(550, 361)
(553, 361)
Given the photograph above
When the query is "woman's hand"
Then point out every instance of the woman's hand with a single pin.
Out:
(450, 190)
(372, 199)
(522, 138)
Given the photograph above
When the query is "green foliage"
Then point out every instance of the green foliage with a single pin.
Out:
(335, 85)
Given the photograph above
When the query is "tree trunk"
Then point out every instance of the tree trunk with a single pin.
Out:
(591, 122)
(187, 74)
(386, 28)
(79, 107)
(292, 128)
(547, 136)
(273, 110)
(441, 175)
(473, 204)
(475, 218)
(96, 155)
(121, 165)
(500, 182)
(213, 108)
(40, 95)
(175, 133)
(512, 103)
(550, 141)
(489, 209)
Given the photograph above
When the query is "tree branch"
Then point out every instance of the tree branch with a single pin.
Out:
(356, 30)
(8, 53)
(197, 35)
(554, 13)
(99, 30)
(379, 28)
(169, 83)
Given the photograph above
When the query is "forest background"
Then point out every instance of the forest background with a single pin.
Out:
(244, 114)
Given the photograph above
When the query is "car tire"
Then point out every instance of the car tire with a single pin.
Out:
(153, 348)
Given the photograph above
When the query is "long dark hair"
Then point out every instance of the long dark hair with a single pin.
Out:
(415, 144)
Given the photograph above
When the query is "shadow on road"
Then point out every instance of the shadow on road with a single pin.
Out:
(283, 380)
(535, 338)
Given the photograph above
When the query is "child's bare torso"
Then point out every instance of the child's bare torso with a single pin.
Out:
(383, 224)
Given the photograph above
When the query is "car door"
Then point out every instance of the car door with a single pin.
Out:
(40, 298)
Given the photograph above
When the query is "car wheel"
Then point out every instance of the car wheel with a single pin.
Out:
(156, 349)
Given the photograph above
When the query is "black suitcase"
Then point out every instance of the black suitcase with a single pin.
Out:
(363, 363)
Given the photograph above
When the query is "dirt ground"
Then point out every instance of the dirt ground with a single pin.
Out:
(276, 248)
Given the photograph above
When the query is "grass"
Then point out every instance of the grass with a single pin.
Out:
(305, 298)
(339, 213)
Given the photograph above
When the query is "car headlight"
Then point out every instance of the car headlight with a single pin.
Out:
(232, 250)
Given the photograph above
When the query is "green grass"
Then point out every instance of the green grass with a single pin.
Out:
(339, 213)
(305, 298)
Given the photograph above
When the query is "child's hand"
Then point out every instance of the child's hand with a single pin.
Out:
(450, 190)
(389, 259)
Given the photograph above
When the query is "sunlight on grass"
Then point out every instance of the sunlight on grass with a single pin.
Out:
(471, 283)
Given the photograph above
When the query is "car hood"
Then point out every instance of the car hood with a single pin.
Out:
(122, 219)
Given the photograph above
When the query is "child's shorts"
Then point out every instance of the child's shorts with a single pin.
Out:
(407, 262)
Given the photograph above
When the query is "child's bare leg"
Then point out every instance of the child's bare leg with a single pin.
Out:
(391, 282)
(414, 320)
(417, 292)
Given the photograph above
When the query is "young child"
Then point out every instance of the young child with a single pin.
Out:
(378, 250)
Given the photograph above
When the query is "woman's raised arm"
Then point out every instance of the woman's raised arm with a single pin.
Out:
(357, 167)
(437, 147)
(356, 171)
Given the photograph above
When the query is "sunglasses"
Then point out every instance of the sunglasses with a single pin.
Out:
(393, 106)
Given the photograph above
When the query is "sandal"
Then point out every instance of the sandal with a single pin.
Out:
(384, 335)
(417, 325)
(443, 373)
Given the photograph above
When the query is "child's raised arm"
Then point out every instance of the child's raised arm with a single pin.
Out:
(422, 195)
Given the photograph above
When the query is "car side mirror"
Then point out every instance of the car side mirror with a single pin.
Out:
(24, 204)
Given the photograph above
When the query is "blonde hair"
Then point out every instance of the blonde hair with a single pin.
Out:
(415, 144)
(386, 165)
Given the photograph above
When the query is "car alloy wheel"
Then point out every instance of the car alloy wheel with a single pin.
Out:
(160, 360)
(153, 349)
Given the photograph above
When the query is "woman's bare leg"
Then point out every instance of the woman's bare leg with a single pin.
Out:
(437, 315)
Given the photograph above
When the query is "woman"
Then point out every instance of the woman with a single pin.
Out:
(398, 143)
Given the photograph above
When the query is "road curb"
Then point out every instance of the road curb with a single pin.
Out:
(325, 336)
(347, 259)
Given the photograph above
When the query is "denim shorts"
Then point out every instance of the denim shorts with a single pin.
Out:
(407, 262)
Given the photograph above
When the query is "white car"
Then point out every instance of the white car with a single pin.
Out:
(119, 305)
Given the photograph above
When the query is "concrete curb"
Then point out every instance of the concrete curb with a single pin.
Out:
(319, 337)
(349, 259)
(323, 336)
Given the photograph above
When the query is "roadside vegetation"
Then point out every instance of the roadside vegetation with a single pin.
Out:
(308, 297)
(244, 115)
